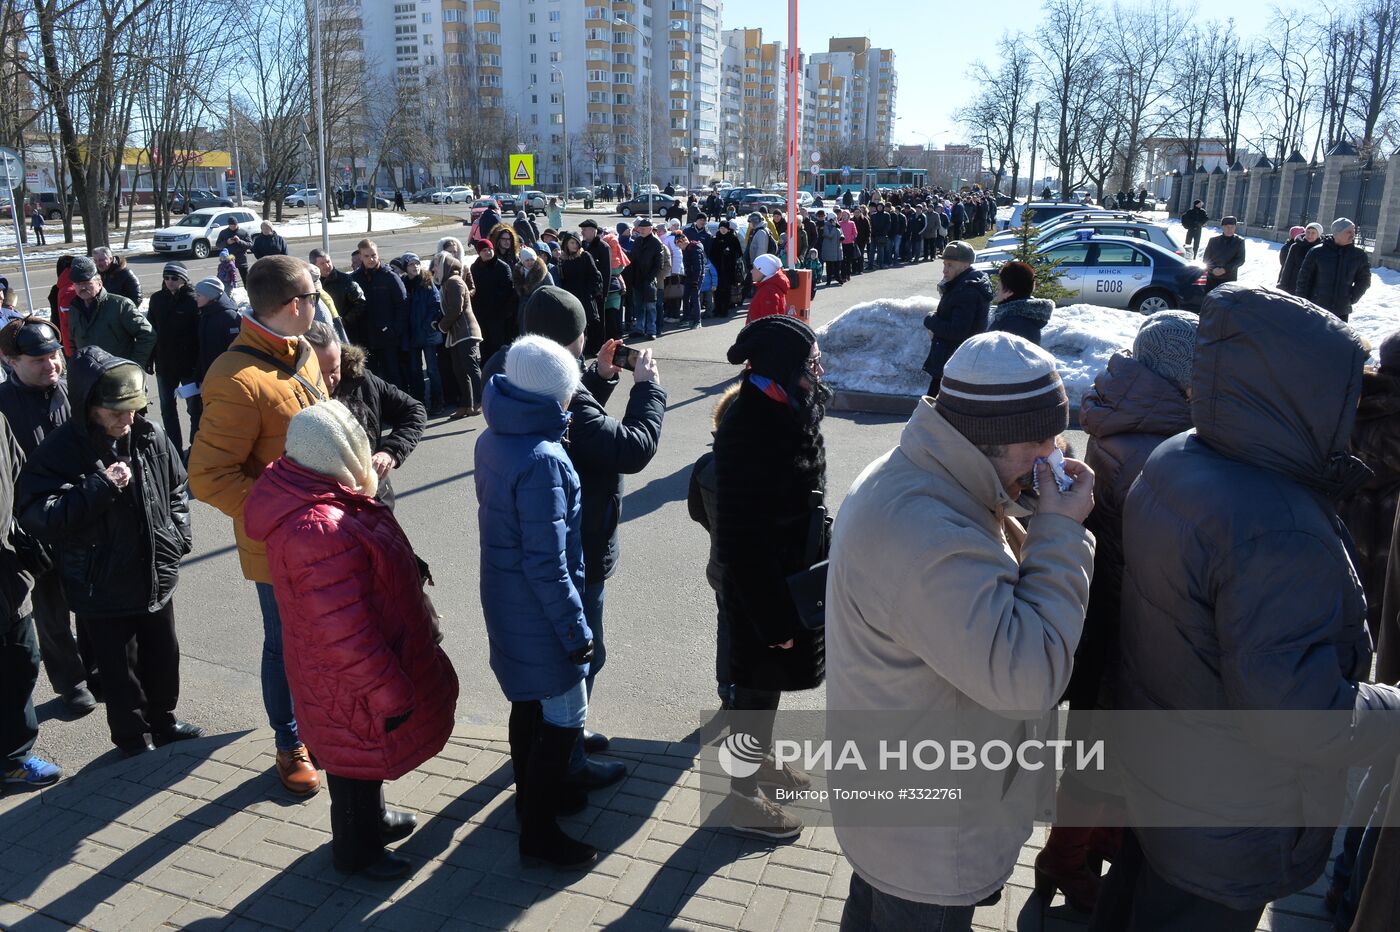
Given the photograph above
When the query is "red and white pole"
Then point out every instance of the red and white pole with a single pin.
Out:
(793, 111)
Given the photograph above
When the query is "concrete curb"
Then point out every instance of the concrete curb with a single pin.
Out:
(902, 405)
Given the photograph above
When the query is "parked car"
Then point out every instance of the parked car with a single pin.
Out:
(534, 201)
(1123, 272)
(507, 200)
(761, 202)
(456, 194)
(655, 203)
(578, 194)
(735, 195)
(1044, 210)
(1078, 215)
(307, 197)
(196, 200)
(51, 205)
(380, 201)
(479, 206)
(1137, 229)
(425, 196)
(805, 198)
(197, 232)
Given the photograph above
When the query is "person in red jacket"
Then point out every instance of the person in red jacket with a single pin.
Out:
(375, 695)
(770, 293)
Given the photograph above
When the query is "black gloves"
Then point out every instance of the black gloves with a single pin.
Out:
(584, 654)
(391, 723)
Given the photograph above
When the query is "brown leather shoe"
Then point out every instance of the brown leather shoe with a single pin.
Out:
(298, 774)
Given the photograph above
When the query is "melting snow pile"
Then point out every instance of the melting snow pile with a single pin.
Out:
(880, 346)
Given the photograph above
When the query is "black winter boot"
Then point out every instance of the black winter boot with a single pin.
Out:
(541, 838)
(525, 720)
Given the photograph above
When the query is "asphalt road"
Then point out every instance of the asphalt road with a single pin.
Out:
(660, 619)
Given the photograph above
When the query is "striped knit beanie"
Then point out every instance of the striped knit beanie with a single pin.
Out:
(998, 388)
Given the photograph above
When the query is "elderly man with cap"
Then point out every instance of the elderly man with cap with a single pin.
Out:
(940, 600)
(964, 302)
(602, 449)
(1224, 255)
(174, 313)
(109, 321)
(107, 489)
(648, 259)
(1335, 273)
(34, 401)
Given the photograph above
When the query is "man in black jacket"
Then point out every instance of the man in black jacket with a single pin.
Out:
(602, 449)
(349, 299)
(19, 649)
(1239, 594)
(966, 297)
(1224, 255)
(1335, 273)
(1193, 220)
(108, 490)
(219, 321)
(117, 278)
(174, 314)
(602, 258)
(386, 307)
(879, 237)
(648, 256)
(237, 242)
(34, 402)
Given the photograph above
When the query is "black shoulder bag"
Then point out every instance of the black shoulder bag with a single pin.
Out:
(808, 587)
(277, 364)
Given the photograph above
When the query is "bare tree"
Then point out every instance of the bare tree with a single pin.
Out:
(1289, 48)
(1339, 49)
(1377, 80)
(276, 96)
(1195, 65)
(1068, 43)
(1237, 78)
(1000, 108)
(1140, 49)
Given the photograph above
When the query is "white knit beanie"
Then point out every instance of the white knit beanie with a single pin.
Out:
(327, 439)
(768, 265)
(540, 366)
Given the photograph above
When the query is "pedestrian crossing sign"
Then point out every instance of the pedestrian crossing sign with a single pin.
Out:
(522, 169)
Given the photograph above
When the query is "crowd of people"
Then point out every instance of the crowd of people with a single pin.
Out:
(1224, 544)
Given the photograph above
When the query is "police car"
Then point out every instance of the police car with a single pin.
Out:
(1134, 229)
(1124, 272)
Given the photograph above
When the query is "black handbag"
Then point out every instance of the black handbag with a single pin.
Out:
(808, 587)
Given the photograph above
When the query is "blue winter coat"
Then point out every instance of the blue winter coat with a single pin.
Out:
(529, 511)
(424, 311)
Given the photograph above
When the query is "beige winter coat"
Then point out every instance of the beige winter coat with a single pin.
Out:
(939, 600)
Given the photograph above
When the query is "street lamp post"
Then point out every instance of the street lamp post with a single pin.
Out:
(646, 116)
(564, 129)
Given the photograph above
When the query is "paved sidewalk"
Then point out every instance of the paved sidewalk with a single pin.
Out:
(201, 836)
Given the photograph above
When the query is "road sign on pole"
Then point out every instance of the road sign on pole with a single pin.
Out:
(12, 176)
(522, 168)
(845, 173)
(816, 158)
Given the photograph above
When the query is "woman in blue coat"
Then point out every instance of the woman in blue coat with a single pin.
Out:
(421, 337)
(529, 513)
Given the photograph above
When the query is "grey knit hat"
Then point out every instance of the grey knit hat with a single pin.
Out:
(999, 388)
(1341, 225)
(175, 268)
(1166, 344)
(210, 287)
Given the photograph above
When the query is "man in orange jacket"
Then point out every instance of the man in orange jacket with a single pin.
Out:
(251, 392)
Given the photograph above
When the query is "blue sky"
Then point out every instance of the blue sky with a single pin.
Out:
(935, 44)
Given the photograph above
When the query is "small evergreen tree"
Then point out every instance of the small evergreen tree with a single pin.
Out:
(1047, 269)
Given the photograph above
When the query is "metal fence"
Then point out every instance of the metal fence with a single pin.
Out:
(1307, 194)
(1216, 205)
(1241, 201)
(1267, 205)
(1359, 198)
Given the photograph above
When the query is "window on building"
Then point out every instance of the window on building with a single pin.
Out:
(403, 8)
(451, 16)
(554, 77)
(597, 35)
(533, 38)
(556, 57)
(534, 59)
(554, 37)
(597, 54)
(556, 118)
(427, 38)
(623, 77)
(623, 58)
(490, 38)
(554, 16)
(680, 25)
(488, 16)
(430, 60)
(621, 38)
(597, 12)
(427, 17)
(534, 78)
(598, 118)
(597, 75)
(535, 119)
(622, 100)
(532, 19)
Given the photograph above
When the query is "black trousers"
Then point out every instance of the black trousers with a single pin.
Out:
(357, 816)
(1193, 240)
(138, 663)
(466, 366)
(1134, 897)
(69, 662)
(760, 708)
(19, 671)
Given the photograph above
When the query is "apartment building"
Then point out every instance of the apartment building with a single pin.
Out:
(754, 106)
(849, 98)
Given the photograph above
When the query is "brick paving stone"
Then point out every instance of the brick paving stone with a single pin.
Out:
(176, 881)
(763, 910)
(713, 912)
(785, 878)
(804, 859)
(404, 918)
(276, 911)
(830, 909)
(721, 888)
(800, 911)
(575, 912)
(207, 917)
(621, 917)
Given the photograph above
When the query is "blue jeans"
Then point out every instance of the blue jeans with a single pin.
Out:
(426, 388)
(690, 306)
(569, 709)
(871, 910)
(875, 252)
(277, 695)
(892, 249)
(645, 310)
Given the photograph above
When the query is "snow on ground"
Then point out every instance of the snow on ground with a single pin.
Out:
(880, 346)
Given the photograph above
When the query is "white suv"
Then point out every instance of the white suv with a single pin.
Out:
(197, 232)
(457, 194)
